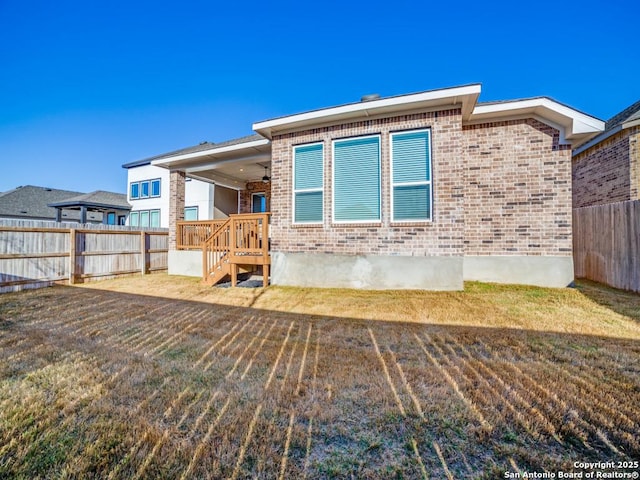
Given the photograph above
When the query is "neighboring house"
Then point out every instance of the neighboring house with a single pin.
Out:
(40, 203)
(148, 193)
(607, 168)
(421, 191)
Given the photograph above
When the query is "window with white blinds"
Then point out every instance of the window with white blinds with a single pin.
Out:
(356, 180)
(308, 183)
(411, 193)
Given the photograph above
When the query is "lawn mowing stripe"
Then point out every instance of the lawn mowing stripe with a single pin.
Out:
(510, 396)
(287, 444)
(247, 439)
(195, 322)
(258, 350)
(399, 403)
(303, 361)
(160, 329)
(124, 460)
(314, 379)
(159, 442)
(423, 470)
(151, 397)
(230, 342)
(436, 447)
(509, 387)
(239, 359)
(454, 385)
(517, 415)
(212, 348)
(47, 420)
(627, 437)
(407, 385)
(575, 395)
(232, 339)
(203, 443)
(386, 374)
(294, 347)
(76, 326)
(277, 361)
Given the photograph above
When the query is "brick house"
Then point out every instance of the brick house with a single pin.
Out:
(607, 168)
(421, 191)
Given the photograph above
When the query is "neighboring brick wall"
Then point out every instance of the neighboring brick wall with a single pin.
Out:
(176, 204)
(634, 163)
(607, 172)
(518, 190)
(441, 237)
(254, 187)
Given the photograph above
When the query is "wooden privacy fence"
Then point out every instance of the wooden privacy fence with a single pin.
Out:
(606, 244)
(35, 255)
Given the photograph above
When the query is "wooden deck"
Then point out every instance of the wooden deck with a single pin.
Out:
(241, 241)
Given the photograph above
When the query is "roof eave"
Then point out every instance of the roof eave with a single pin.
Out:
(465, 97)
(576, 127)
(178, 160)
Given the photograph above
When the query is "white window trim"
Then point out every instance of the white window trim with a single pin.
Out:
(148, 211)
(333, 182)
(150, 195)
(305, 190)
(197, 212)
(409, 184)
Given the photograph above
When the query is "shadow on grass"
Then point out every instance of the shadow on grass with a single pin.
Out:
(225, 391)
(620, 301)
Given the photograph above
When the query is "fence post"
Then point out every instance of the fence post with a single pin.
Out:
(143, 253)
(72, 256)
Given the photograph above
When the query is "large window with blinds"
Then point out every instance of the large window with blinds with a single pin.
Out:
(356, 180)
(411, 192)
(308, 180)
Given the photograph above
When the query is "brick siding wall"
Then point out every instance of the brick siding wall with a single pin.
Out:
(251, 188)
(442, 236)
(517, 190)
(608, 172)
(176, 204)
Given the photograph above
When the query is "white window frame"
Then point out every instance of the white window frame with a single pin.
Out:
(333, 182)
(409, 184)
(149, 187)
(305, 190)
(197, 210)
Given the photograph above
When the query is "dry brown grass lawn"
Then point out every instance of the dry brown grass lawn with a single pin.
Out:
(160, 377)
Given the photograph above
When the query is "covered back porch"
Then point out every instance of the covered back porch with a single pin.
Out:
(232, 242)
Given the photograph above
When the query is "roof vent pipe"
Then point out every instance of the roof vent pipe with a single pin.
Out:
(368, 98)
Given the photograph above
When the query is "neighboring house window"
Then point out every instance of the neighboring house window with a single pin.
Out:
(145, 189)
(356, 180)
(155, 188)
(122, 219)
(191, 213)
(258, 203)
(154, 218)
(308, 183)
(111, 218)
(144, 218)
(411, 176)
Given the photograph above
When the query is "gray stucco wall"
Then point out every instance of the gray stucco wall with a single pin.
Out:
(185, 262)
(525, 270)
(372, 272)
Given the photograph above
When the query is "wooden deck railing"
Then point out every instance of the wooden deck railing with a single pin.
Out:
(242, 240)
(191, 235)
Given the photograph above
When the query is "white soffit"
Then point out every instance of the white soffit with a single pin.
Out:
(255, 148)
(465, 97)
(578, 127)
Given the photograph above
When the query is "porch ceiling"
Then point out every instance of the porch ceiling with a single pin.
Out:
(229, 165)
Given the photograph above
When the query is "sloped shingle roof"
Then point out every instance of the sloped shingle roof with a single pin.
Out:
(99, 198)
(32, 201)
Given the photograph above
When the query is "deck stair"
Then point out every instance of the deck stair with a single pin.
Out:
(242, 241)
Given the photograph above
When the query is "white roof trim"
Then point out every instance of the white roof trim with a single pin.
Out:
(169, 161)
(575, 126)
(465, 96)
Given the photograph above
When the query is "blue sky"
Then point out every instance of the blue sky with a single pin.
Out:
(86, 86)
